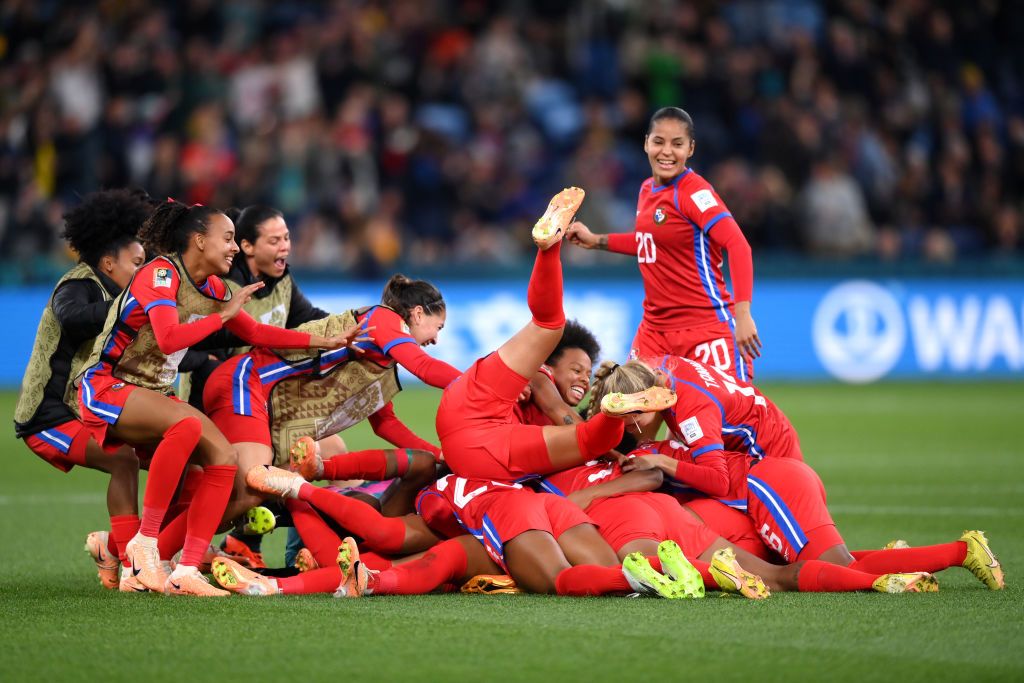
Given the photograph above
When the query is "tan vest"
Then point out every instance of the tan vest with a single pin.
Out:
(320, 404)
(38, 372)
(143, 363)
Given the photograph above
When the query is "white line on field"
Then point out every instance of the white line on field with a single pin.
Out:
(844, 509)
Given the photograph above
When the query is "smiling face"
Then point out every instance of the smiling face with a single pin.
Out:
(668, 147)
(269, 255)
(424, 327)
(572, 375)
(217, 247)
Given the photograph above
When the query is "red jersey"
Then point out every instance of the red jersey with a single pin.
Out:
(680, 264)
(528, 412)
(452, 506)
(580, 477)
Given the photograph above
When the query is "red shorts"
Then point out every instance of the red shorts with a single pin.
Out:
(786, 501)
(101, 398)
(711, 343)
(654, 516)
(480, 436)
(62, 446)
(235, 402)
(730, 524)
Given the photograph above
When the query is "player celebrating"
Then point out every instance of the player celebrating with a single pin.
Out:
(682, 226)
(172, 302)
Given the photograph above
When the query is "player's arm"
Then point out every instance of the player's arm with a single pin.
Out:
(386, 425)
(544, 393)
(618, 242)
(395, 342)
(80, 308)
(630, 482)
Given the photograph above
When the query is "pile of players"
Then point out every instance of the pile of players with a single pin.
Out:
(522, 494)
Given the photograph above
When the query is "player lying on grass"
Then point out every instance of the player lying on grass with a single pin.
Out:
(737, 446)
(125, 395)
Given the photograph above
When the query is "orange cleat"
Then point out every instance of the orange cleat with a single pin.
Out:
(144, 560)
(238, 551)
(304, 458)
(130, 584)
(237, 579)
(274, 480)
(188, 581)
(550, 228)
(491, 584)
(650, 400)
(353, 573)
(305, 562)
(106, 564)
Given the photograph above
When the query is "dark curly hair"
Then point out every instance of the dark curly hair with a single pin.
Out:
(167, 230)
(576, 336)
(105, 222)
(403, 294)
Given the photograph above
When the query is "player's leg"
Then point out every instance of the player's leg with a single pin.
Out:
(971, 551)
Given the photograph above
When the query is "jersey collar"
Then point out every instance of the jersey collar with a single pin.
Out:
(675, 181)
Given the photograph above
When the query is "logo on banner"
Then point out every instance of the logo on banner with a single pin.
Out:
(859, 331)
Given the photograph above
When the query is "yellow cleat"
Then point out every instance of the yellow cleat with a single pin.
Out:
(676, 567)
(353, 573)
(491, 584)
(188, 581)
(550, 228)
(917, 582)
(732, 578)
(234, 577)
(106, 564)
(144, 560)
(898, 544)
(646, 580)
(305, 562)
(650, 400)
(304, 458)
(981, 561)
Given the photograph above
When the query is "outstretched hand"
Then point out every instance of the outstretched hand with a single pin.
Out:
(238, 300)
(348, 338)
(580, 235)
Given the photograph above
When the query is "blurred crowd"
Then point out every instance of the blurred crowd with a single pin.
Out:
(395, 132)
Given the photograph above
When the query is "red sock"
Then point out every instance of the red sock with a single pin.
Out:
(206, 511)
(323, 580)
(122, 529)
(544, 294)
(169, 460)
(598, 435)
(590, 579)
(824, 577)
(318, 538)
(375, 562)
(380, 533)
(445, 562)
(172, 536)
(861, 554)
(370, 464)
(193, 475)
(929, 558)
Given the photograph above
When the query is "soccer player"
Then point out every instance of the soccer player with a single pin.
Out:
(682, 226)
(737, 446)
(563, 379)
(172, 302)
(103, 231)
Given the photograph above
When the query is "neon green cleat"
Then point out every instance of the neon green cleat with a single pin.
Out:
(734, 579)
(259, 521)
(897, 544)
(916, 582)
(644, 579)
(235, 578)
(981, 561)
(676, 567)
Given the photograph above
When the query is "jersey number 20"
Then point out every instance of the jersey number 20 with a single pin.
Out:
(645, 249)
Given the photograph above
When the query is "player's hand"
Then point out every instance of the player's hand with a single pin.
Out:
(349, 338)
(639, 462)
(526, 394)
(580, 235)
(747, 341)
(239, 299)
(581, 498)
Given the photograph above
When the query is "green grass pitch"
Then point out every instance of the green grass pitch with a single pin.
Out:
(921, 462)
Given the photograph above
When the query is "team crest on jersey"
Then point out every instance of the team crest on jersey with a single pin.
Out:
(659, 215)
(117, 386)
(162, 277)
(691, 430)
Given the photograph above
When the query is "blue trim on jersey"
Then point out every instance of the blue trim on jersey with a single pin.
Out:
(492, 538)
(741, 366)
(158, 302)
(241, 397)
(130, 304)
(702, 257)
(283, 369)
(740, 504)
(395, 342)
(551, 488)
(105, 411)
(776, 506)
(705, 449)
(59, 440)
(711, 223)
(658, 188)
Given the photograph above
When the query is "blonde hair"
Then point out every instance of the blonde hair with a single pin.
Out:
(610, 377)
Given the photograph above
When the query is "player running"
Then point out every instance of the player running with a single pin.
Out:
(682, 226)
(125, 396)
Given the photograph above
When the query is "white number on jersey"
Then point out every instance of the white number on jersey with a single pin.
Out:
(730, 384)
(646, 252)
(714, 353)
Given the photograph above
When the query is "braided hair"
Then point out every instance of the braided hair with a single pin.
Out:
(628, 378)
(169, 228)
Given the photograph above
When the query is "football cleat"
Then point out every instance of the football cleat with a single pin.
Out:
(106, 564)
(304, 458)
(732, 578)
(644, 579)
(304, 561)
(144, 560)
(676, 567)
(130, 584)
(915, 582)
(274, 480)
(491, 584)
(650, 400)
(238, 551)
(259, 521)
(187, 580)
(353, 573)
(234, 577)
(981, 561)
(550, 228)
(897, 544)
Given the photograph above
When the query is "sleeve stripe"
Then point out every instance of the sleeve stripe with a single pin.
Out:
(706, 449)
(711, 223)
(396, 342)
(160, 302)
